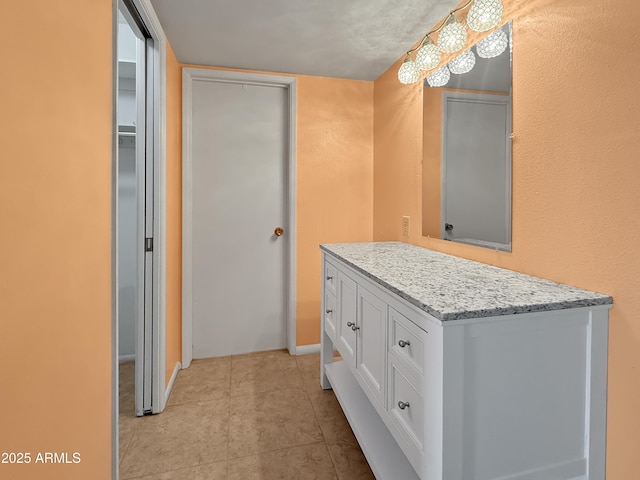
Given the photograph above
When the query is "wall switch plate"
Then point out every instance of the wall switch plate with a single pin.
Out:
(405, 226)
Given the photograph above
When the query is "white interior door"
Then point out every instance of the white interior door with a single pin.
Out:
(239, 191)
(476, 166)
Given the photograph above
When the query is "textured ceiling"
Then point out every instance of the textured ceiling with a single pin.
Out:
(357, 39)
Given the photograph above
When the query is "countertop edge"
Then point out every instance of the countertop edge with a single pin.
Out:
(604, 300)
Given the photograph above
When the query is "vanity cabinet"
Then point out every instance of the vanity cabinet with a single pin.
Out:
(457, 389)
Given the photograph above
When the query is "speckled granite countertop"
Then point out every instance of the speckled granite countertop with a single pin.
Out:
(453, 288)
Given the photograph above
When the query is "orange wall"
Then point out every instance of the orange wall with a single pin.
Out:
(334, 180)
(174, 214)
(55, 247)
(576, 198)
(431, 164)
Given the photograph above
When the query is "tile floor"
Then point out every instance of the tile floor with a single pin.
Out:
(259, 416)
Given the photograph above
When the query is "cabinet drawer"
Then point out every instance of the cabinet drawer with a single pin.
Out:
(406, 407)
(330, 277)
(330, 314)
(406, 340)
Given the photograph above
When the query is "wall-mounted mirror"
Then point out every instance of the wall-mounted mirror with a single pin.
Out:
(466, 169)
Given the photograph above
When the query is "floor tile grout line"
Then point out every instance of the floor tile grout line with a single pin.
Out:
(303, 369)
(313, 408)
(324, 437)
(226, 453)
(124, 454)
(302, 387)
(133, 429)
(202, 362)
(138, 424)
(326, 442)
(177, 470)
(316, 415)
(334, 464)
(255, 454)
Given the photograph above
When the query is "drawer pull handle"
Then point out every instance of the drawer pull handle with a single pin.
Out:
(402, 405)
(328, 311)
(329, 277)
(403, 344)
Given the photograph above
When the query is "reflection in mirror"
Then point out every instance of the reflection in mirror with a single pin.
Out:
(466, 169)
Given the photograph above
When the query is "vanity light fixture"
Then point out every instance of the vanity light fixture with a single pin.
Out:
(483, 16)
(463, 63)
(428, 56)
(439, 78)
(453, 36)
(493, 45)
(409, 72)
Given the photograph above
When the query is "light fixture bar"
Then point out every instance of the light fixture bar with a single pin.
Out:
(437, 30)
(483, 16)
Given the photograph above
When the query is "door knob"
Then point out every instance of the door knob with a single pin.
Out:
(278, 231)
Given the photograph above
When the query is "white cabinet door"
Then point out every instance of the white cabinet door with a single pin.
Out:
(371, 341)
(346, 324)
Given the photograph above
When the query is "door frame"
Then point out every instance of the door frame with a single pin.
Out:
(189, 76)
(158, 143)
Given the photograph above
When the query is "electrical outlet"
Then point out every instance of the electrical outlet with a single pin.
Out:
(405, 226)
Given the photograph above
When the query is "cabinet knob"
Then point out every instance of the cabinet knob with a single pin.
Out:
(329, 277)
(354, 328)
(402, 405)
(328, 311)
(351, 324)
(403, 344)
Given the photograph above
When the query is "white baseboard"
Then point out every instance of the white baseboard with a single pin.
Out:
(126, 358)
(171, 382)
(307, 349)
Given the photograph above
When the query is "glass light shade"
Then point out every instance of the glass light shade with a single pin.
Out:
(453, 37)
(439, 78)
(463, 63)
(484, 15)
(408, 72)
(428, 56)
(493, 45)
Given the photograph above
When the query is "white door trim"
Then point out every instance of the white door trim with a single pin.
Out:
(189, 76)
